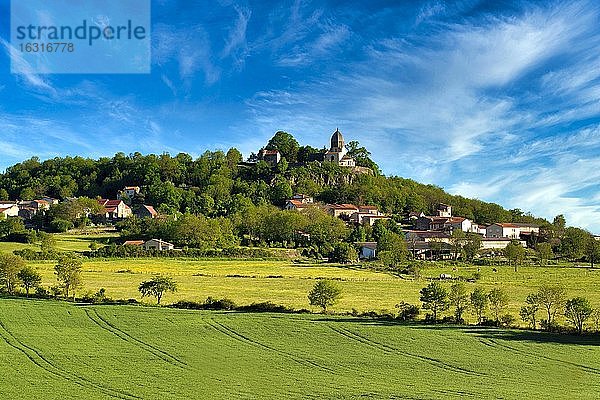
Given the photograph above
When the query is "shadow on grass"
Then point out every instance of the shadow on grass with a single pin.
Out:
(520, 335)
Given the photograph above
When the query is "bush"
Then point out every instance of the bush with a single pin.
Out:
(266, 306)
(221, 304)
(407, 312)
(41, 292)
(60, 225)
(97, 298)
(507, 320)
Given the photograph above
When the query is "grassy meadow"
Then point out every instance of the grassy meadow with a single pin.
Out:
(287, 283)
(57, 350)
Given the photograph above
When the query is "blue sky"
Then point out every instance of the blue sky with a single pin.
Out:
(495, 100)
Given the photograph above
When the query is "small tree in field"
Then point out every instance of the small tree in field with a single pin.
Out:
(10, 265)
(577, 311)
(30, 278)
(529, 311)
(552, 298)
(515, 253)
(434, 298)
(498, 302)
(459, 299)
(157, 286)
(68, 273)
(479, 302)
(324, 294)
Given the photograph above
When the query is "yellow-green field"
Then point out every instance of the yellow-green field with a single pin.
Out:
(78, 242)
(287, 283)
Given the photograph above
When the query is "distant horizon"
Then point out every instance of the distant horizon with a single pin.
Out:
(499, 102)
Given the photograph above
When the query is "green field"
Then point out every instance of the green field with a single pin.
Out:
(78, 242)
(55, 350)
(287, 283)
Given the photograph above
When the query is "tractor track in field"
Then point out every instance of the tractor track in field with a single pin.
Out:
(104, 324)
(224, 329)
(42, 362)
(494, 343)
(393, 350)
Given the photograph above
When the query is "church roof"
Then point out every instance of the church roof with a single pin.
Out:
(337, 139)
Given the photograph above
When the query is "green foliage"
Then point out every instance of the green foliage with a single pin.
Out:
(498, 301)
(407, 312)
(552, 298)
(459, 299)
(573, 243)
(479, 302)
(343, 253)
(543, 252)
(286, 144)
(29, 278)
(529, 311)
(324, 294)
(577, 311)
(60, 225)
(515, 253)
(157, 286)
(68, 273)
(471, 246)
(10, 265)
(11, 226)
(391, 249)
(435, 298)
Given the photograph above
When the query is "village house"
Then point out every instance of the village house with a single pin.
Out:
(510, 230)
(367, 250)
(303, 198)
(296, 205)
(146, 211)
(158, 244)
(128, 192)
(115, 209)
(9, 209)
(435, 223)
(339, 210)
(133, 243)
(271, 157)
(498, 243)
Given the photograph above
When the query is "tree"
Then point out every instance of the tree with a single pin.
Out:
(552, 298)
(29, 278)
(479, 302)
(391, 249)
(48, 243)
(573, 244)
(459, 299)
(529, 311)
(10, 265)
(592, 250)
(324, 294)
(577, 311)
(457, 243)
(472, 245)
(435, 298)
(596, 318)
(343, 253)
(407, 312)
(498, 302)
(361, 155)
(68, 273)
(544, 252)
(515, 253)
(157, 286)
(286, 144)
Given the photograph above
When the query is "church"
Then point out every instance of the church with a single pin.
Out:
(337, 152)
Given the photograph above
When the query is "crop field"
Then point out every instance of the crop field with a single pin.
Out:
(55, 350)
(64, 242)
(287, 283)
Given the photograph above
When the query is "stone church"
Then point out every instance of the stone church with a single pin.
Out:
(337, 152)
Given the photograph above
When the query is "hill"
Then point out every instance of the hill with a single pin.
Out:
(137, 352)
(219, 183)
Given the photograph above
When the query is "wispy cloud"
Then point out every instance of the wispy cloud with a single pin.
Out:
(22, 69)
(236, 41)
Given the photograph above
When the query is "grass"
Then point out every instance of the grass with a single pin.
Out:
(56, 350)
(286, 283)
(78, 242)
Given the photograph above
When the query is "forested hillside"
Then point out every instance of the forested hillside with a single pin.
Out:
(219, 183)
